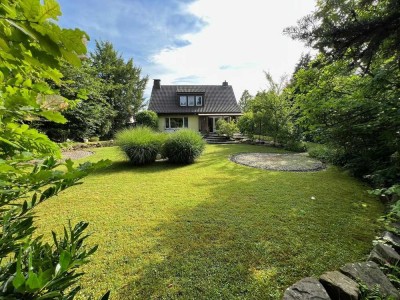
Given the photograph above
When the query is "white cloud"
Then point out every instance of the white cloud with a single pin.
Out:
(242, 39)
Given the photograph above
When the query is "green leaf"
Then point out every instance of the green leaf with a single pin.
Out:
(71, 57)
(54, 116)
(19, 278)
(65, 260)
(22, 29)
(33, 282)
(50, 295)
(50, 10)
(30, 8)
(106, 296)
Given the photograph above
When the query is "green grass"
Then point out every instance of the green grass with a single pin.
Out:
(213, 229)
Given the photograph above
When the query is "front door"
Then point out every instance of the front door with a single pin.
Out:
(212, 124)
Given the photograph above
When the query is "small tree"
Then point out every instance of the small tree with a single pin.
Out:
(227, 128)
(270, 113)
(147, 118)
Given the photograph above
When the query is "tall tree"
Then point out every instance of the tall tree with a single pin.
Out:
(123, 82)
(348, 96)
(88, 117)
(356, 30)
(244, 101)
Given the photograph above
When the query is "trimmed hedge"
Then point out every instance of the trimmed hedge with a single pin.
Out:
(183, 146)
(141, 145)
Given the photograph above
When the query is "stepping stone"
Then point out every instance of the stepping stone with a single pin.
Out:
(383, 254)
(370, 275)
(340, 286)
(306, 289)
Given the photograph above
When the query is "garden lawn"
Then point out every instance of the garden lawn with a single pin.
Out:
(213, 229)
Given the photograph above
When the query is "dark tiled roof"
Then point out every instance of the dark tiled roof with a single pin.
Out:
(217, 99)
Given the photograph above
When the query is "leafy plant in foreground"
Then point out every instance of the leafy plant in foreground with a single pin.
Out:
(32, 48)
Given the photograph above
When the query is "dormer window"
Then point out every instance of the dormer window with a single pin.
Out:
(190, 100)
(199, 100)
(183, 100)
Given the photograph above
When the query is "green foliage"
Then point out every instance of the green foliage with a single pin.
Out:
(141, 144)
(326, 154)
(89, 117)
(183, 146)
(245, 100)
(348, 95)
(147, 118)
(295, 146)
(367, 293)
(271, 113)
(32, 47)
(227, 128)
(122, 83)
(360, 31)
(31, 268)
(246, 124)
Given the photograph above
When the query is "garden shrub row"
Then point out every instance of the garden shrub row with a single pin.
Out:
(142, 145)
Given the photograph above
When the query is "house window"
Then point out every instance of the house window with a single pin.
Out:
(176, 123)
(199, 100)
(183, 100)
(190, 100)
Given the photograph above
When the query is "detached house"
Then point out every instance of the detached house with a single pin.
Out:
(197, 107)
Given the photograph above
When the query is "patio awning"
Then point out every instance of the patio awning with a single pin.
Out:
(221, 114)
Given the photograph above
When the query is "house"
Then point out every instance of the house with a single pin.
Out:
(197, 107)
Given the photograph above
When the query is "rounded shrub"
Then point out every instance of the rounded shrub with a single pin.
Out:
(147, 118)
(183, 146)
(94, 139)
(141, 145)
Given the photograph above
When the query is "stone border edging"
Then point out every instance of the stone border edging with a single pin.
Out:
(344, 284)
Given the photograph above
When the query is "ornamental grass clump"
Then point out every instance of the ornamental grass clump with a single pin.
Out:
(183, 146)
(141, 145)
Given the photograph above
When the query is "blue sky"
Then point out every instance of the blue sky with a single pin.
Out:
(196, 41)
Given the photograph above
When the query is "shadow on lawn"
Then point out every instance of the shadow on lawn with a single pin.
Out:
(245, 242)
(125, 166)
(202, 162)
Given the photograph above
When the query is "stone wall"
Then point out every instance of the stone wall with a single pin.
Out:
(344, 283)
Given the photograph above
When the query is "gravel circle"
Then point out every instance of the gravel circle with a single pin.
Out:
(76, 154)
(297, 162)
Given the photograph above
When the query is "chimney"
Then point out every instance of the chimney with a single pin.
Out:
(225, 83)
(157, 84)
